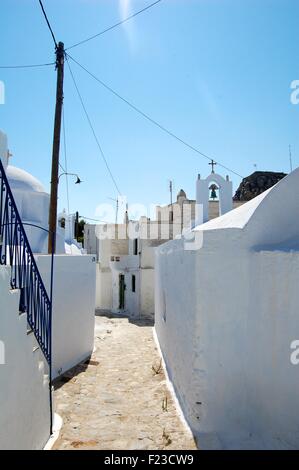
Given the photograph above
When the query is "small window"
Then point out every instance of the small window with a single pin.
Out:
(133, 283)
(135, 246)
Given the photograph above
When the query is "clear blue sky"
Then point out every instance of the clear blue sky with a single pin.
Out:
(215, 72)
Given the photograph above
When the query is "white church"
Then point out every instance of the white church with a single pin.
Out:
(125, 253)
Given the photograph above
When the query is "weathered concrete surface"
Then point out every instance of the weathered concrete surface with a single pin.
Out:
(118, 401)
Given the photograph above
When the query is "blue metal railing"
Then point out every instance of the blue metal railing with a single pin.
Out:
(15, 251)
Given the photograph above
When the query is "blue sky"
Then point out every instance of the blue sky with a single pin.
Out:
(215, 72)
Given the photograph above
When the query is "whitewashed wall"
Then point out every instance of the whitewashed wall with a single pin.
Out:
(226, 315)
(147, 292)
(132, 299)
(73, 308)
(103, 288)
(90, 239)
(24, 386)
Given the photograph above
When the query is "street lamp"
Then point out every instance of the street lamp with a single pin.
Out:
(78, 181)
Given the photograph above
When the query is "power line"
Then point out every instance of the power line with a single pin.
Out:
(25, 66)
(95, 220)
(92, 129)
(63, 169)
(153, 121)
(48, 23)
(114, 26)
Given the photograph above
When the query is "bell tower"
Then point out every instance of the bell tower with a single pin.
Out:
(225, 190)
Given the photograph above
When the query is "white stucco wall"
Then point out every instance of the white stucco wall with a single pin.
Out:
(147, 292)
(132, 299)
(90, 239)
(73, 308)
(103, 288)
(24, 386)
(228, 353)
(225, 318)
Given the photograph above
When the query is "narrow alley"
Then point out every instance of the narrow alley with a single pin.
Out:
(119, 400)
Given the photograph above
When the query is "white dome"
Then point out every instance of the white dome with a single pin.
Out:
(21, 180)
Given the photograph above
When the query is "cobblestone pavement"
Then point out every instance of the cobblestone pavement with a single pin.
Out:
(119, 400)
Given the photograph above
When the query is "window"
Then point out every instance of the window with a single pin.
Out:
(135, 252)
(133, 283)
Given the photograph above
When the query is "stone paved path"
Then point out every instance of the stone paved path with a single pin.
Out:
(118, 401)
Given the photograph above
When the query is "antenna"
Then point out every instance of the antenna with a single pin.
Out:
(170, 190)
(171, 207)
(290, 154)
(116, 212)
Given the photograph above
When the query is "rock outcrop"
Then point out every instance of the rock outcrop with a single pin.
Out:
(257, 183)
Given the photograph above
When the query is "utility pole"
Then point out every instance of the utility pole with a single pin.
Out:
(116, 215)
(56, 147)
(117, 206)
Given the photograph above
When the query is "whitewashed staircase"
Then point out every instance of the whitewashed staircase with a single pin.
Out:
(24, 378)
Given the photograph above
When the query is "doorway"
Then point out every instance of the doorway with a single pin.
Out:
(122, 288)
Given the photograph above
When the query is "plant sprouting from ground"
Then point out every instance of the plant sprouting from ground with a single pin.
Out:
(157, 369)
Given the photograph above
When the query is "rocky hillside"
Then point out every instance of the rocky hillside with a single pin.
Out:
(256, 184)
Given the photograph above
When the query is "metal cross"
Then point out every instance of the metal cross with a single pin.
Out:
(213, 163)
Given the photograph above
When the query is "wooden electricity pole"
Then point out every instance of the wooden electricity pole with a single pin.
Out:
(56, 147)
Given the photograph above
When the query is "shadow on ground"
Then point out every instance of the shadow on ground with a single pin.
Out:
(73, 372)
(138, 321)
(80, 368)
